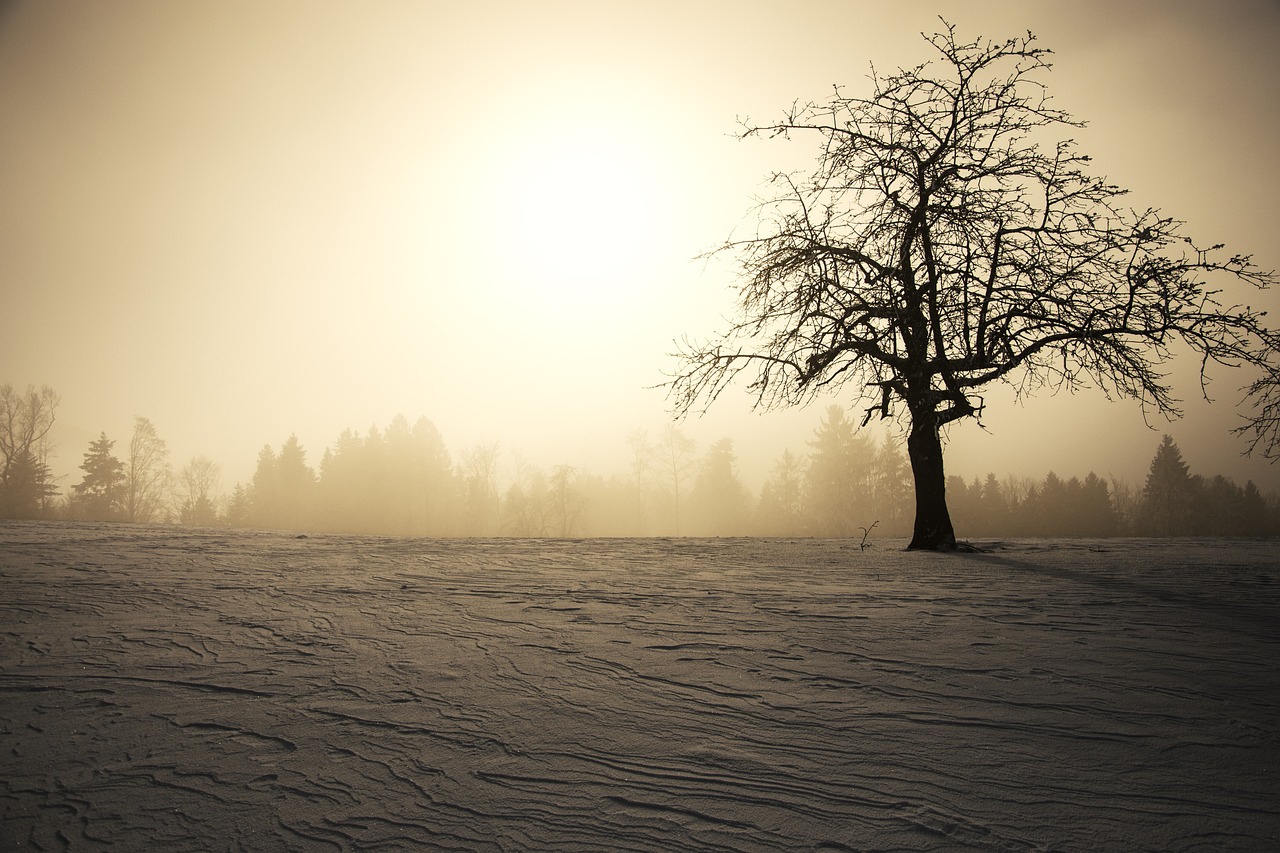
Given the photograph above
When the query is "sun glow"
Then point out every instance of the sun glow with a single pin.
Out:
(578, 213)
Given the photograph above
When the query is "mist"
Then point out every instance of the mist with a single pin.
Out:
(246, 223)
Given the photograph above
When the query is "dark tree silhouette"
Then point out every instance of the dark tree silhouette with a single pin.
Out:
(1096, 514)
(283, 488)
(296, 482)
(940, 245)
(1168, 497)
(27, 487)
(99, 496)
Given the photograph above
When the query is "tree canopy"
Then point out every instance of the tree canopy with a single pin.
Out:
(950, 236)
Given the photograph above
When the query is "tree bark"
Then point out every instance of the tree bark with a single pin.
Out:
(933, 530)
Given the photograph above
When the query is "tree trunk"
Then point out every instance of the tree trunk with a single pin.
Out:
(933, 530)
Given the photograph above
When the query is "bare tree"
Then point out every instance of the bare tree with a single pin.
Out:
(642, 459)
(25, 421)
(526, 509)
(197, 492)
(940, 245)
(565, 500)
(676, 457)
(147, 476)
(480, 490)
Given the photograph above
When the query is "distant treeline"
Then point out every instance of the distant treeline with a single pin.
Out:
(1172, 502)
(402, 480)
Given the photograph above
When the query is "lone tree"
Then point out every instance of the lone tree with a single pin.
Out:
(941, 244)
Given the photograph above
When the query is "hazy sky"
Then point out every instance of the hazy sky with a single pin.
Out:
(249, 219)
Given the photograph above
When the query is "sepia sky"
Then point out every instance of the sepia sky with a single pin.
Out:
(244, 220)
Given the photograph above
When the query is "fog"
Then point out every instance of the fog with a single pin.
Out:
(247, 221)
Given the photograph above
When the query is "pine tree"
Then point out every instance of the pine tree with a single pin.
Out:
(239, 507)
(435, 484)
(27, 487)
(1097, 514)
(781, 508)
(1220, 513)
(894, 500)
(100, 495)
(264, 491)
(1167, 498)
(1254, 516)
(995, 508)
(297, 485)
(839, 485)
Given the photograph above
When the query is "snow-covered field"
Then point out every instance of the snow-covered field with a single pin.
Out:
(170, 689)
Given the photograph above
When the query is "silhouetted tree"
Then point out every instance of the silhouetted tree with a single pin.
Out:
(239, 511)
(1219, 506)
(433, 484)
(1054, 515)
(993, 508)
(147, 476)
(26, 418)
(282, 494)
(1167, 504)
(1254, 517)
(345, 493)
(264, 490)
(1096, 515)
(962, 505)
(99, 496)
(28, 488)
(297, 484)
(941, 245)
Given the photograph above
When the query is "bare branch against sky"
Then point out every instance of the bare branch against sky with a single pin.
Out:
(246, 220)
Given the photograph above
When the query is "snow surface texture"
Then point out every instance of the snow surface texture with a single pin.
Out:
(171, 689)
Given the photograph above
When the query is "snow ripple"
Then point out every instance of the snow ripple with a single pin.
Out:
(175, 689)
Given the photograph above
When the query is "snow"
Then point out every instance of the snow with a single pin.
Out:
(180, 689)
